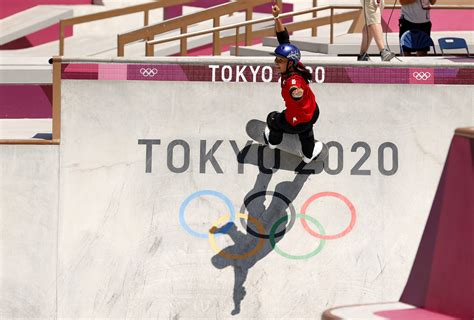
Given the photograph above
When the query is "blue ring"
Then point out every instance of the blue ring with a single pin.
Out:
(201, 193)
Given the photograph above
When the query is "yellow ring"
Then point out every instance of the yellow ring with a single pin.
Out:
(225, 218)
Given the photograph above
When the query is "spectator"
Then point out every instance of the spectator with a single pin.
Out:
(415, 15)
(373, 30)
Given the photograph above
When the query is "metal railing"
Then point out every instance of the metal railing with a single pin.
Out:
(313, 23)
(145, 8)
(182, 23)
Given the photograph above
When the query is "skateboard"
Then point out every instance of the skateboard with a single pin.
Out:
(290, 144)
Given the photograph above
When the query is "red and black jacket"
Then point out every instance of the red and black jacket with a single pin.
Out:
(298, 110)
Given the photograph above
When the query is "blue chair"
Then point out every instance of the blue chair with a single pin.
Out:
(453, 43)
(416, 40)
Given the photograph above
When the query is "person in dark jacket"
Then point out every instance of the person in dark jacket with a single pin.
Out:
(415, 15)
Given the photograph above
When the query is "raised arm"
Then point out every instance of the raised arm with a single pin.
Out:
(278, 24)
(281, 32)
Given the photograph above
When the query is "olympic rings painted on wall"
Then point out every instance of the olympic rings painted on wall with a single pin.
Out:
(193, 196)
(303, 217)
(260, 234)
(421, 75)
(148, 72)
(270, 193)
(335, 195)
(230, 256)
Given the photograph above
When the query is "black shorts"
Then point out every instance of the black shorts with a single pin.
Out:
(406, 25)
(277, 121)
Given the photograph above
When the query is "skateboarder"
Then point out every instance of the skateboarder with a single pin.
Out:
(301, 110)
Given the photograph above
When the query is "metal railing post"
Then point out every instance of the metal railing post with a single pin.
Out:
(331, 36)
(183, 42)
(120, 47)
(237, 50)
(314, 31)
(248, 28)
(216, 38)
(149, 49)
(56, 126)
(61, 38)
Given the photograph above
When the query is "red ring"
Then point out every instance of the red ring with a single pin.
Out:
(329, 194)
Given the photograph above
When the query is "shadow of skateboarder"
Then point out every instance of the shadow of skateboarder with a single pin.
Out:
(260, 218)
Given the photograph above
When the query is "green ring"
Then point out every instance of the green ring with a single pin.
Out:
(287, 255)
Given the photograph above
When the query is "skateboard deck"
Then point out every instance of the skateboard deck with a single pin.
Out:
(290, 143)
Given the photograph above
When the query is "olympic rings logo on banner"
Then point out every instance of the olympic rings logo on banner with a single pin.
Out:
(148, 72)
(227, 220)
(421, 75)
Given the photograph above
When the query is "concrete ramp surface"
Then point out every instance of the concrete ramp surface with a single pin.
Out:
(31, 20)
(156, 203)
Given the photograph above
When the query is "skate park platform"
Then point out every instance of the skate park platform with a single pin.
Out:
(429, 293)
(112, 219)
(36, 18)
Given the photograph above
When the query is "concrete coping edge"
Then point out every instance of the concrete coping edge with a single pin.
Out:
(413, 63)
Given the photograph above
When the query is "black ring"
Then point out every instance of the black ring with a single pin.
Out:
(243, 209)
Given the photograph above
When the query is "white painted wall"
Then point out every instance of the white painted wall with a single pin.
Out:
(123, 251)
(28, 230)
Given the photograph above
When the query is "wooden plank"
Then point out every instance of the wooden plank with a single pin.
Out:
(358, 23)
(28, 141)
(216, 38)
(56, 99)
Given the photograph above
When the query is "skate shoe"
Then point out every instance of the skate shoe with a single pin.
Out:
(363, 57)
(266, 137)
(386, 55)
(318, 147)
